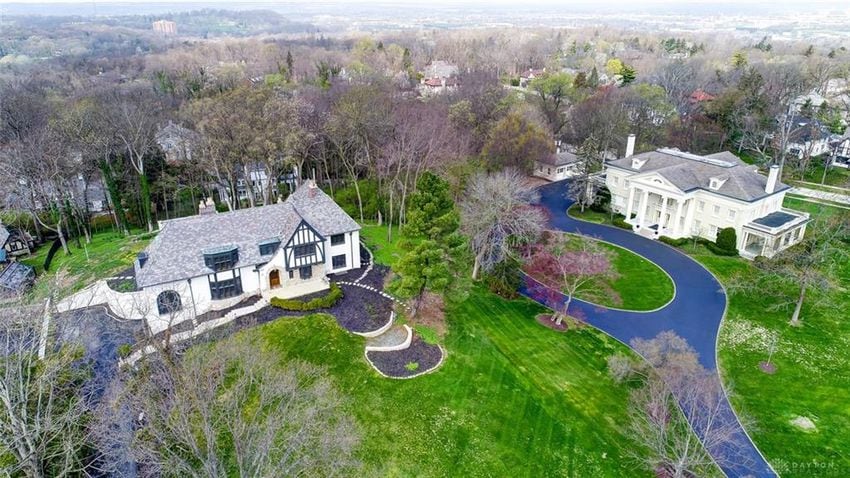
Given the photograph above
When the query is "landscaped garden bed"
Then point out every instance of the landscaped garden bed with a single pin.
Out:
(417, 359)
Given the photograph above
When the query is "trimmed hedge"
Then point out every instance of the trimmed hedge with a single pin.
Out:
(711, 246)
(674, 242)
(719, 250)
(620, 221)
(325, 302)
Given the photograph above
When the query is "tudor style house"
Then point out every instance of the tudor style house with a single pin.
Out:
(213, 261)
(671, 193)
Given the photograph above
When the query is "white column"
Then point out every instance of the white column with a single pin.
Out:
(644, 204)
(677, 217)
(689, 217)
(629, 204)
(661, 222)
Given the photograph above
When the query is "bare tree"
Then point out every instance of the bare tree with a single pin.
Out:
(679, 412)
(237, 409)
(803, 271)
(498, 213)
(42, 401)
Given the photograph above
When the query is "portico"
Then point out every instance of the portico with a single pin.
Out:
(661, 211)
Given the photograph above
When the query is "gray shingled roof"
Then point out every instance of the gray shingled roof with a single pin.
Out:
(690, 172)
(177, 251)
(4, 235)
(561, 159)
(16, 277)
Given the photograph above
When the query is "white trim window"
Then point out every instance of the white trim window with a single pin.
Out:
(731, 214)
(716, 210)
(700, 206)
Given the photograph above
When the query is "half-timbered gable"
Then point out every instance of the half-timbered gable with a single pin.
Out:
(306, 247)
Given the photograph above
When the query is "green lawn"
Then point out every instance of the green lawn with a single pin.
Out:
(376, 238)
(834, 177)
(512, 398)
(641, 285)
(108, 253)
(811, 379)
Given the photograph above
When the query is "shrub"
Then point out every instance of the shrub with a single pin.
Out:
(412, 366)
(504, 279)
(727, 239)
(674, 242)
(429, 335)
(602, 200)
(620, 221)
(124, 350)
(719, 250)
(514, 81)
(324, 302)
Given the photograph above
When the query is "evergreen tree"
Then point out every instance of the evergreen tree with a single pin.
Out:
(289, 65)
(593, 80)
(431, 212)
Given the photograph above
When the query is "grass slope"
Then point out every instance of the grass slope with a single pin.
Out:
(641, 285)
(512, 398)
(811, 379)
(108, 253)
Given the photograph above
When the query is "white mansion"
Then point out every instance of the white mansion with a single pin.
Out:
(671, 193)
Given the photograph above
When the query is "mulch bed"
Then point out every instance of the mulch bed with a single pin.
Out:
(361, 310)
(375, 278)
(767, 368)
(546, 321)
(393, 364)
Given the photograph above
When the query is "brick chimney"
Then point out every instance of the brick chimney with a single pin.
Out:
(772, 179)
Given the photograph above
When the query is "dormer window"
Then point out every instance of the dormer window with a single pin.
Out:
(637, 163)
(716, 183)
(269, 246)
(221, 258)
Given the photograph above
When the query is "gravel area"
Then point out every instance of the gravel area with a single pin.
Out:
(395, 364)
(395, 336)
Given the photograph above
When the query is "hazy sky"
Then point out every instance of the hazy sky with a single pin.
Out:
(560, 3)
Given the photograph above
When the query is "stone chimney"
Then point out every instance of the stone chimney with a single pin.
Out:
(772, 179)
(311, 189)
(630, 146)
(557, 146)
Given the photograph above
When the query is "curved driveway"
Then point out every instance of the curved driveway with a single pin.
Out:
(694, 314)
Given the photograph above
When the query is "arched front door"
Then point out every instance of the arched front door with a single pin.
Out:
(274, 279)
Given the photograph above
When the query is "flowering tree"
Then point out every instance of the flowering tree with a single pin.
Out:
(562, 269)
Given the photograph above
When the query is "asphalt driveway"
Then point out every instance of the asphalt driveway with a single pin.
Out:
(695, 313)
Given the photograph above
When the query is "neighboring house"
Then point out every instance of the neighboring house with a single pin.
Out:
(808, 137)
(812, 100)
(700, 96)
(434, 86)
(15, 278)
(529, 75)
(558, 166)
(258, 179)
(213, 261)
(438, 77)
(440, 69)
(92, 192)
(15, 242)
(176, 142)
(671, 193)
(841, 150)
